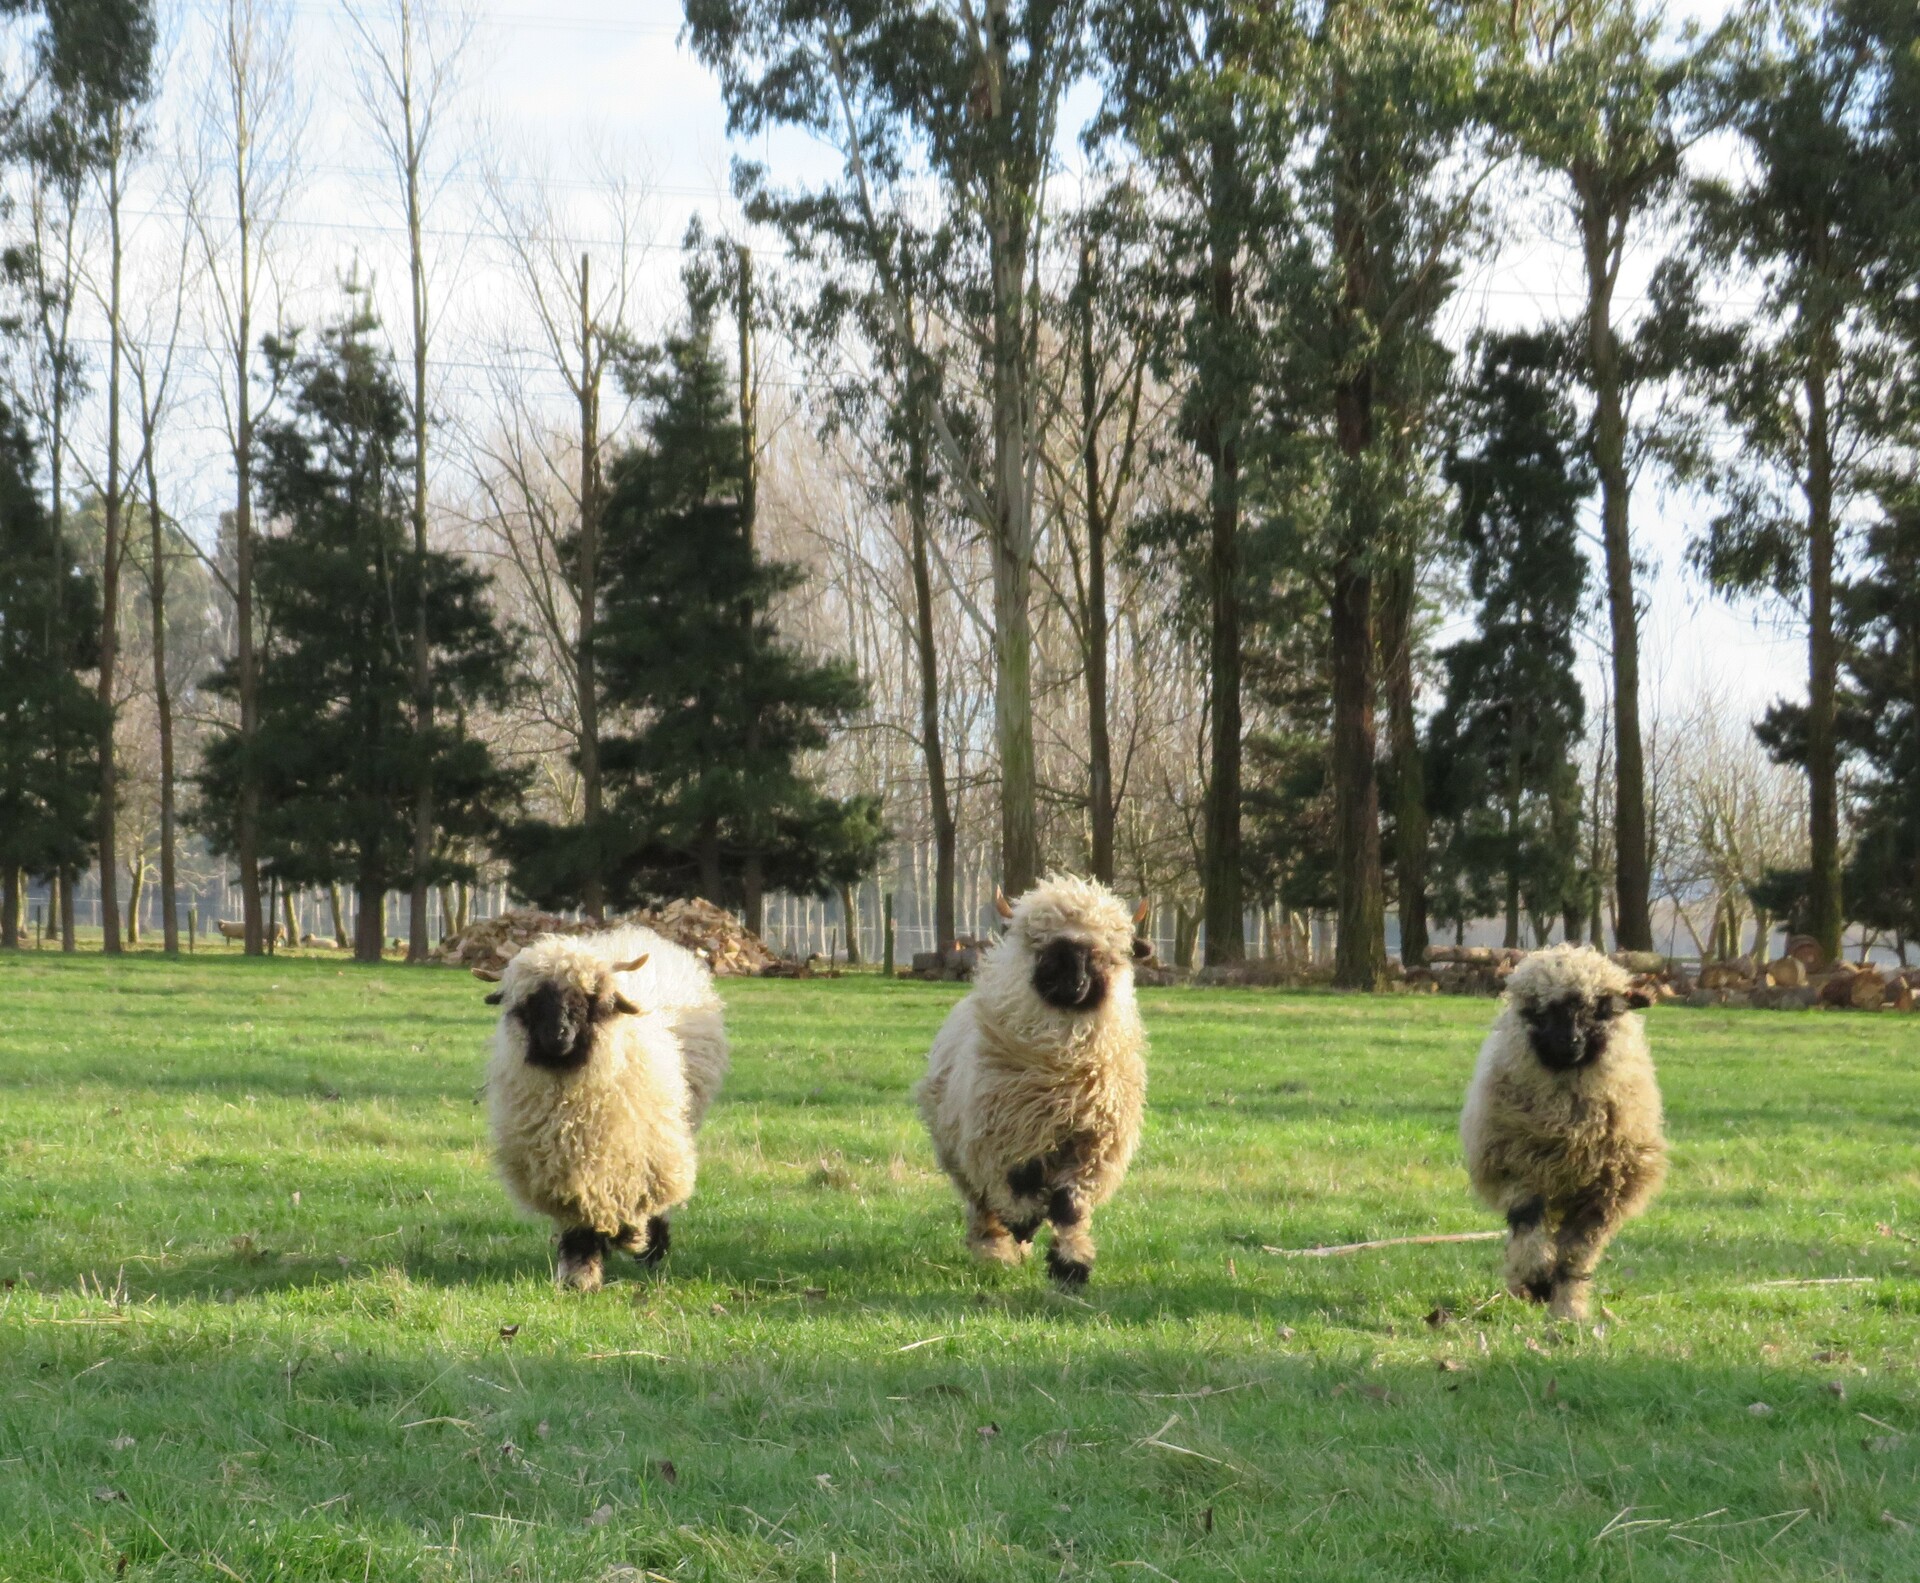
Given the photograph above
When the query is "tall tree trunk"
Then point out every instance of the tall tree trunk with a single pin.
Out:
(112, 553)
(1511, 811)
(940, 806)
(1220, 876)
(10, 909)
(707, 852)
(1360, 952)
(593, 894)
(850, 913)
(753, 869)
(163, 700)
(1012, 535)
(333, 904)
(753, 893)
(1827, 917)
(247, 814)
(370, 925)
(418, 944)
(1633, 883)
(1409, 770)
(286, 910)
(1100, 808)
(136, 878)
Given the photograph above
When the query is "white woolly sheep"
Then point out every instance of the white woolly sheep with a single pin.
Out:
(1562, 1123)
(610, 1049)
(1036, 1084)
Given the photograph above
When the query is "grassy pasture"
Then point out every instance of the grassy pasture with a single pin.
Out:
(261, 1292)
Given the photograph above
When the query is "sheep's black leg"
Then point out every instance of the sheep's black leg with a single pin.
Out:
(1070, 1255)
(1027, 1183)
(648, 1243)
(583, 1254)
(1584, 1234)
(1529, 1251)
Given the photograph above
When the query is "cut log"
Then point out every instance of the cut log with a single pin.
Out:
(1867, 989)
(1836, 986)
(1789, 972)
(1808, 950)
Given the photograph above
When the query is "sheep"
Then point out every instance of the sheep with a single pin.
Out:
(1562, 1125)
(1036, 1084)
(609, 1052)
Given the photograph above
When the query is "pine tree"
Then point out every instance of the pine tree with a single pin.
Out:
(706, 792)
(49, 720)
(1814, 389)
(1503, 781)
(1879, 618)
(338, 749)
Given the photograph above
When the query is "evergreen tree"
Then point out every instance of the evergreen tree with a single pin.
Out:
(1880, 721)
(338, 749)
(1814, 386)
(705, 791)
(1595, 97)
(1501, 743)
(49, 720)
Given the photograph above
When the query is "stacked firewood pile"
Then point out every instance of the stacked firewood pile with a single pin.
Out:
(953, 965)
(1803, 978)
(711, 932)
(1484, 969)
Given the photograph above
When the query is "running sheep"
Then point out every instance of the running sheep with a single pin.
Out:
(1562, 1124)
(609, 1051)
(1036, 1085)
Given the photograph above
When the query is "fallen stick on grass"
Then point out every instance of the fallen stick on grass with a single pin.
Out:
(1383, 1242)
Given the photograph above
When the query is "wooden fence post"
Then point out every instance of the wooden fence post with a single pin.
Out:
(886, 934)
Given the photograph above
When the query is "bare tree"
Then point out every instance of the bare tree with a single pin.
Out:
(251, 115)
(151, 358)
(541, 483)
(409, 73)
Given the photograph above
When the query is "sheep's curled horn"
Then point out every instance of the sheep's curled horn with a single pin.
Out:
(1001, 905)
(492, 975)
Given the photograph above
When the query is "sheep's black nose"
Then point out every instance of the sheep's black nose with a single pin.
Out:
(1064, 976)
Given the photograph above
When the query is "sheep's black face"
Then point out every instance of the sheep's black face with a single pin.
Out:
(559, 1024)
(1065, 975)
(1572, 1031)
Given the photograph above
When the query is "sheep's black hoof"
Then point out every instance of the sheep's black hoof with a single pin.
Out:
(659, 1240)
(1023, 1233)
(1535, 1291)
(1067, 1272)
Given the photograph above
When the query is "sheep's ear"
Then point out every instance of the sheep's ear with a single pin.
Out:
(1140, 912)
(496, 997)
(625, 1007)
(1638, 1000)
(631, 967)
(1001, 905)
(1142, 949)
(488, 975)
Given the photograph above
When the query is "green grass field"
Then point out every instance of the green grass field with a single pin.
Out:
(266, 1315)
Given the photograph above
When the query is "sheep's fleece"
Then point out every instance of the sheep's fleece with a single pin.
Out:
(1012, 1079)
(1566, 1155)
(611, 1143)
